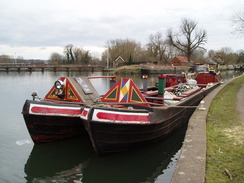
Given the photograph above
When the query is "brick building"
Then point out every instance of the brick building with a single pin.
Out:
(181, 61)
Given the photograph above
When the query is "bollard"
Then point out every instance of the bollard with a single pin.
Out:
(202, 107)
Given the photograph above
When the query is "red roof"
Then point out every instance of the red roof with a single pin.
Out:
(182, 59)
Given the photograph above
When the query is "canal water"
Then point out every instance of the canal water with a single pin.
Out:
(72, 160)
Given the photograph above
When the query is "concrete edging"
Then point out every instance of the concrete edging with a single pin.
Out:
(192, 161)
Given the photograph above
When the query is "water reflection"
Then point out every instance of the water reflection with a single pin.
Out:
(228, 75)
(58, 161)
(75, 161)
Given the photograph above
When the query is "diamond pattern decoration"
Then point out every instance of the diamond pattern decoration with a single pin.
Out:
(124, 91)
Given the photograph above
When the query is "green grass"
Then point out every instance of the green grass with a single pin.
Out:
(225, 137)
(128, 69)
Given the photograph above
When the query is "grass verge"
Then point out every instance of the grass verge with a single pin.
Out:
(225, 137)
(131, 69)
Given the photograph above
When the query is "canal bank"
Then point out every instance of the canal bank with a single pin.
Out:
(192, 160)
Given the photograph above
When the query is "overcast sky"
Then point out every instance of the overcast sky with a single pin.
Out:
(37, 28)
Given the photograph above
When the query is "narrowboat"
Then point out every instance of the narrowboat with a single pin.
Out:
(205, 73)
(57, 115)
(127, 117)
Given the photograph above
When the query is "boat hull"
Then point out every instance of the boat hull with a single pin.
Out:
(110, 134)
(48, 122)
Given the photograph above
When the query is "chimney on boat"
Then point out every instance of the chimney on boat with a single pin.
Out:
(112, 81)
(161, 85)
(144, 82)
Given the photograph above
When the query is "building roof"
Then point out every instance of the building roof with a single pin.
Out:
(182, 59)
(118, 58)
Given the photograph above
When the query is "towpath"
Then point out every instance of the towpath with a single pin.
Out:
(240, 103)
(192, 161)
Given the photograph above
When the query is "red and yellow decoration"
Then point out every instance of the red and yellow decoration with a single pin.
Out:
(124, 91)
(69, 92)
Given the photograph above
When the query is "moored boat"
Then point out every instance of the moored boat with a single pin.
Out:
(205, 73)
(127, 117)
(57, 115)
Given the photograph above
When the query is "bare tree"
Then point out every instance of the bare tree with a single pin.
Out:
(76, 55)
(240, 59)
(55, 58)
(127, 49)
(77, 52)
(156, 46)
(68, 51)
(188, 39)
(227, 55)
(85, 57)
(5, 59)
(199, 56)
(223, 56)
(159, 49)
(238, 20)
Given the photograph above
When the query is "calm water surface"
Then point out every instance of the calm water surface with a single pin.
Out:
(71, 160)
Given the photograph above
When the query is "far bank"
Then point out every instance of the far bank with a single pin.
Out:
(150, 69)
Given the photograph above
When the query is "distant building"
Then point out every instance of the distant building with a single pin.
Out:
(118, 61)
(181, 61)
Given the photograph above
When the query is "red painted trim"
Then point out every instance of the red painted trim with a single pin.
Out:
(55, 110)
(84, 113)
(122, 117)
(162, 76)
